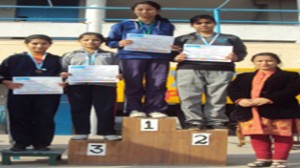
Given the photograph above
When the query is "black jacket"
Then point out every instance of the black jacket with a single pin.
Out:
(224, 40)
(281, 88)
(22, 65)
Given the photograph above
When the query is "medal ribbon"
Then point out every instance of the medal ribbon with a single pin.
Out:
(90, 58)
(146, 29)
(38, 65)
(205, 41)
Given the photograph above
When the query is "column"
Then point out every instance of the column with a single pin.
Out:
(298, 8)
(94, 17)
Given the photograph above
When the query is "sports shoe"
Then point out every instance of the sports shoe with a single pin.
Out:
(219, 126)
(112, 137)
(189, 126)
(18, 148)
(80, 137)
(137, 114)
(41, 148)
(157, 115)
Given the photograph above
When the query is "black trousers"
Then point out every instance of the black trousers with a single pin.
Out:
(103, 98)
(31, 118)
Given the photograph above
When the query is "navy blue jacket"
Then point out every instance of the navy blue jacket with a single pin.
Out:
(22, 65)
(120, 30)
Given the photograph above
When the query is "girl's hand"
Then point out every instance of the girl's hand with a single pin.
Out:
(65, 75)
(246, 103)
(180, 57)
(11, 85)
(232, 57)
(63, 84)
(261, 101)
(176, 48)
(123, 43)
(119, 76)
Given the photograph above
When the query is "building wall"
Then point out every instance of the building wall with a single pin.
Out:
(7, 12)
(277, 4)
(248, 4)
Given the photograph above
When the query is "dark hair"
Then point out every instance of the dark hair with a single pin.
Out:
(198, 17)
(98, 35)
(154, 5)
(38, 36)
(274, 56)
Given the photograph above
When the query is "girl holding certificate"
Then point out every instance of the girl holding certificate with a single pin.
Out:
(31, 117)
(209, 76)
(83, 95)
(145, 73)
(267, 109)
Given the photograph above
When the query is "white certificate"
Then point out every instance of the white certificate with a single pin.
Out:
(38, 85)
(149, 43)
(93, 73)
(196, 52)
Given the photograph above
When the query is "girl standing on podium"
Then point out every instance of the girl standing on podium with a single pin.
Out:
(31, 117)
(267, 109)
(83, 95)
(137, 66)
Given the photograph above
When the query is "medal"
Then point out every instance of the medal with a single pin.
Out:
(38, 71)
(38, 66)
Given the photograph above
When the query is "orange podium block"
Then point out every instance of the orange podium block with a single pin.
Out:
(148, 141)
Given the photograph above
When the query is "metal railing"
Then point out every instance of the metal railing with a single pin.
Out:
(217, 12)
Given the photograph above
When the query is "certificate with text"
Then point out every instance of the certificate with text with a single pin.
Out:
(216, 53)
(149, 43)
(93, 73)
(38, 85)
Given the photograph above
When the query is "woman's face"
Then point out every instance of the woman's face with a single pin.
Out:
(265, 63)
(145, 11)
(38, 46)
(204, 25)
(90, 42)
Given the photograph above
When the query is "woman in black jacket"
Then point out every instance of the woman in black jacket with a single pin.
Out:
(266, 107)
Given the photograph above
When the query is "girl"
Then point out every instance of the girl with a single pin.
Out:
(31, 117)
(139, 65)
(83, 95)
(267, 109)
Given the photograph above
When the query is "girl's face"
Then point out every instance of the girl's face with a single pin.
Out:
(265, 63)
(204, 25)
(38, 46)
(90, 42)
(145, 11)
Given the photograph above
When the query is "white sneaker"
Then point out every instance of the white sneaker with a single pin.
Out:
(80, 137)
(112, 137)
(137, 114)
(157, 115)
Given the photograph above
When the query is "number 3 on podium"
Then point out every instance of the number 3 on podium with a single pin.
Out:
(96, 149)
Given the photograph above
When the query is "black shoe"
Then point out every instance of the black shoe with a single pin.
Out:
(217, 127)
(42, 148)
(260, 163)
(18, 148)
(189, 126)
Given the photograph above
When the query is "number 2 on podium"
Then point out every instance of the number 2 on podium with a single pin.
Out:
(149, 125)
(200, 139)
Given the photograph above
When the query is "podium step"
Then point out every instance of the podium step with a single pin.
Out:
(152, 142)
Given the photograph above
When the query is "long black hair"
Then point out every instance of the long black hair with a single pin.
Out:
(154, 5)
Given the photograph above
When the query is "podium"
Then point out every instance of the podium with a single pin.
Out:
(148, 141)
